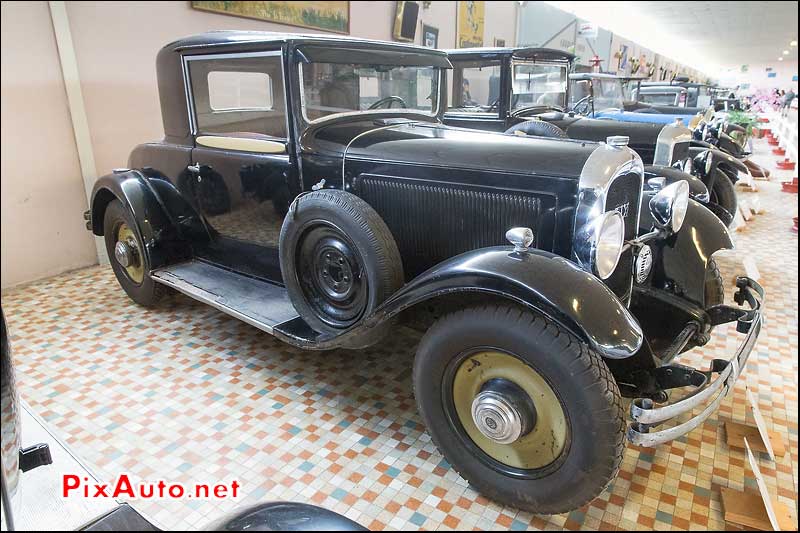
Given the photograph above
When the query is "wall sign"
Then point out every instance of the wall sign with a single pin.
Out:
(430, 36)
(471, 16)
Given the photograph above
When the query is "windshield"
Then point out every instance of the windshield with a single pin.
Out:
(607, 93)
(335, 88)
(658, 98)
(538, 84)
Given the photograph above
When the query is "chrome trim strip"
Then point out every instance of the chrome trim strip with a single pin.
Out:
(207, 298)
(362, 134)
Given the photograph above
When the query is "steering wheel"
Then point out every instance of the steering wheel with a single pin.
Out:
(388, 101)
(583, 104)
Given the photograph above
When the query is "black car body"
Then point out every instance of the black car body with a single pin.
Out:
(337, 201)
(530, 88)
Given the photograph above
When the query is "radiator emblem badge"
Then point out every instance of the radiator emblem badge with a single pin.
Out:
(623, 209)
(644, 263)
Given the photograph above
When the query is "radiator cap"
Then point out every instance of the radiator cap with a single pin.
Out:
(618, 140)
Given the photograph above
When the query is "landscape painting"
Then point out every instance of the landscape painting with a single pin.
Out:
(322, 15)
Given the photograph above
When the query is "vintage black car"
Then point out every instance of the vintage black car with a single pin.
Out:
(531, 91)
(307, 186)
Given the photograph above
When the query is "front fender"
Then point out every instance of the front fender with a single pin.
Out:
(697, 189)
(539, 280)
(680, 260)
(155, 228)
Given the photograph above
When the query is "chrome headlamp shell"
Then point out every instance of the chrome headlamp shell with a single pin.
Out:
(669, 206)
(601, 242)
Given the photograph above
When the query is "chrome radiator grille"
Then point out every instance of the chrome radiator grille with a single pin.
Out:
(624, 195)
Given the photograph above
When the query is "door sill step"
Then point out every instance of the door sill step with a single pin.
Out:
(258, 303)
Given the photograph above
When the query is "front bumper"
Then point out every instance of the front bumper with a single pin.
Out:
(645, 415)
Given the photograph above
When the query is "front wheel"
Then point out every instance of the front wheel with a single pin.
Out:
(525, 411)
(723, 194)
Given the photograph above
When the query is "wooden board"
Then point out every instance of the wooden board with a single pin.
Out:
(735, 434)
(760, 424)
(747, 509)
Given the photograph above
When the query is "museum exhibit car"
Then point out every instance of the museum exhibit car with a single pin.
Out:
(307, 186)
(526, 90)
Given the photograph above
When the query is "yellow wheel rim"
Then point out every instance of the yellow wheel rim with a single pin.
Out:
(545, 442)
(135, 269)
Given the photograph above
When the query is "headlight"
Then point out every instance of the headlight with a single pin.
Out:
(709, 162)
(669, 206)
(610, 237)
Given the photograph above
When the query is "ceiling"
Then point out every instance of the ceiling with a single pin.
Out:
(705, 35)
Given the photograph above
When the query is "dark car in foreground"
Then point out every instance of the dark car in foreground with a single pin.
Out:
(307, 186)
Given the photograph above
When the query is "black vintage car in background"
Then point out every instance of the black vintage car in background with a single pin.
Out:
(531, 91)
(307, 186)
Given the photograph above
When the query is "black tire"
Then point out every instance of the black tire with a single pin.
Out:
(144, 292)
(328, 297)
(585, 388)
(723, 194)
(715, 285)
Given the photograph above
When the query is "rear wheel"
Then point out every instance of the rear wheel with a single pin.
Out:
(127, 256)
(525, 411)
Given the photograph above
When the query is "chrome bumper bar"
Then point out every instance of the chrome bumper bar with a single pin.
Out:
(645, 415)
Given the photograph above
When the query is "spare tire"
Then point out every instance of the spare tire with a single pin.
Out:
(538, 128)
(338, 258)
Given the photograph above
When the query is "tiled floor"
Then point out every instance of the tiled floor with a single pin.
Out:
(185, 393)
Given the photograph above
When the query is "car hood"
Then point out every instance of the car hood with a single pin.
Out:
(433, 144)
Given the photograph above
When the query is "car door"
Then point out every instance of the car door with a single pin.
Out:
(243, 177)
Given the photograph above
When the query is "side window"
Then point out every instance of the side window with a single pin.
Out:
(238, 96)
(475, 87)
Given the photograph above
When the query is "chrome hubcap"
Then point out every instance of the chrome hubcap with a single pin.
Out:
(503, 412)
(123, 254)
(496, 418)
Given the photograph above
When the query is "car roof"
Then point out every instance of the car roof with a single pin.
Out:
(523, 52)
(254, 39)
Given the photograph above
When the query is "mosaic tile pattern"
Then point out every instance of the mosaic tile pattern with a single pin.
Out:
(187, 394)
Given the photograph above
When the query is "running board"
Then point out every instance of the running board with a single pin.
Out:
(258, 303)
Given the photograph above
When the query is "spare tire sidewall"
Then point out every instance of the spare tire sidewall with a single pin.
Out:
(310, 211)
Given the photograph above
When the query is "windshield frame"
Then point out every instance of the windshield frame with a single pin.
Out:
(515, 61)
(434, 113)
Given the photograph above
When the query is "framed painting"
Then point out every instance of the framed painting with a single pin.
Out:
(405, 21)
(471, 16)
(322, 15)
(430, 36)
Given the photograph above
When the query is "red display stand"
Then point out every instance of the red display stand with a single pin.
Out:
(790, 186)
(786, 165)
(779, 151)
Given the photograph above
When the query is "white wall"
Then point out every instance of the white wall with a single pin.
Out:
(758, 77)
(41, 225)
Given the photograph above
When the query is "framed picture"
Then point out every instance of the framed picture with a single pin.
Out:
(405, 21)
(499, 43)
(471, 16)
(323, 15)
(430, 36)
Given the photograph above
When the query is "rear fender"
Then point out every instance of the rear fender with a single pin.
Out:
(157, 230)
(680, 260)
